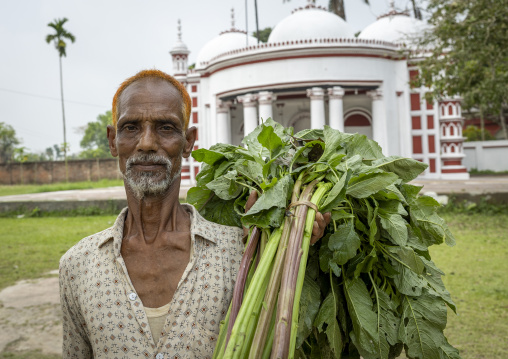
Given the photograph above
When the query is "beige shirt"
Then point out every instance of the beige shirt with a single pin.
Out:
(103, 316)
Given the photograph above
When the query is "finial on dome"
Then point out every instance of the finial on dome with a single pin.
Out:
(392, 4)
(179, 27)
(232, 17)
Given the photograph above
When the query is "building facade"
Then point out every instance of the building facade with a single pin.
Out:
(313, 72)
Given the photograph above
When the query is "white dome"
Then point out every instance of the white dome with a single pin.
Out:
(227, 41)
(396, 28)
(310, 23)
(179, 47)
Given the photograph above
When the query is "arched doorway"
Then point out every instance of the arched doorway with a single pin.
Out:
(358, 120)
(300, 121)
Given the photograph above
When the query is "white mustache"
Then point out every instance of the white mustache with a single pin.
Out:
(147, 159)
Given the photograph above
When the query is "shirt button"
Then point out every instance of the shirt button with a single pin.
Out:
(159, 356)
(132, 296)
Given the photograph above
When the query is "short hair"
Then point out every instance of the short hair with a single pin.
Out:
(186, 106)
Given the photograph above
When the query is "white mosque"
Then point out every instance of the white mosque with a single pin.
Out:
(313, 72)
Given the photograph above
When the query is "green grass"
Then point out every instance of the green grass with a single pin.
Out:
(33, 246)
(27, 355)
(477, 270)
(61, 186)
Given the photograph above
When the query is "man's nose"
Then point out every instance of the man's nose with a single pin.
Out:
(148, 141)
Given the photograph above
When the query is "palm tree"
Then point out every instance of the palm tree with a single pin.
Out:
(58, 40)
(337, 7)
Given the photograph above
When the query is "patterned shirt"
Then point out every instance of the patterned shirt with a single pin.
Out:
(103, 316)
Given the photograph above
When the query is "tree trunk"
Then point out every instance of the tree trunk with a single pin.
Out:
(63, 117)
(503, 124)
(337, 7)
(482, 125)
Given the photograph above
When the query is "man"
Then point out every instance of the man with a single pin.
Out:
(157, 283)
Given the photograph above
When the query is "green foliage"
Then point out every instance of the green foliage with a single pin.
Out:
(8, 142)
(59, 36)
(379, 291)
(264, 34)
(95, 141)
(468, 54)
(473, 133)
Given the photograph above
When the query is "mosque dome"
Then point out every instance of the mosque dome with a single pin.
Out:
(396, 27)
(310, 23)
(232, 39)
(227, 41)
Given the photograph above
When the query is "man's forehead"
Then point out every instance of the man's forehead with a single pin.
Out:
(155, 88)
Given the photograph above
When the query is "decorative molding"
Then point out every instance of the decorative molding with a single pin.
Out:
(316, 93)
(223, 106)
(248, 100)
(266, 97)
(375, 95)
(336, 93)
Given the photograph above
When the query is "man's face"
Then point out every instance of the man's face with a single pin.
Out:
(150, 139)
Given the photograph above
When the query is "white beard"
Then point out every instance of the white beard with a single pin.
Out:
(145, 184)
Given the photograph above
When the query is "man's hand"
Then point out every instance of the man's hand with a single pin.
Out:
(320, 223)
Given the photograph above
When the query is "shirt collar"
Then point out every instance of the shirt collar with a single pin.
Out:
(199, 227)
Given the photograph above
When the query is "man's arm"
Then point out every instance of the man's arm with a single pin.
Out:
(75, 341)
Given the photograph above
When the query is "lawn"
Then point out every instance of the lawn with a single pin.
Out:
(477, 270)
(33, 246)
(61, 186)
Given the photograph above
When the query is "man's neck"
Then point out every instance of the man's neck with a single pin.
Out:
(151, 216)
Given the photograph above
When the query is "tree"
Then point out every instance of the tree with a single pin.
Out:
(58, 39)
(95, 142)
(263, 34)
(466, 55)
(8, 142)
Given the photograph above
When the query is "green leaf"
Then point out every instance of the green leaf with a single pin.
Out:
(408, 281)
(396, 226)
(222, 212)
(387, 323)
(269, 209)
(333, 140)
(225, 187)
(336, 194)
(252, 170)
(205, 175)
(197, 196)
(422, 323)
(409, 257)
(367, 263)
(207, 156)
(363, 317)
(314, 134)
(299, 158)
(344, 243)
(269, 139)
(406, 168)
(433, 277)
(360, 145)
(341, 214)
(367, 184)
(310, 301)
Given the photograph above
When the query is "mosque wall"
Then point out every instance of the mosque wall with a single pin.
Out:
(54, 171)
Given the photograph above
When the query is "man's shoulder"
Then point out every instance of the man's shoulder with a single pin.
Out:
(220, 234)
(87, 246)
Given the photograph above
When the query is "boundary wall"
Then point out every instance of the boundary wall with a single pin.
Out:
(486, 155)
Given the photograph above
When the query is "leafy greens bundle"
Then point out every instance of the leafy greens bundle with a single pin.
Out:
(368, 288)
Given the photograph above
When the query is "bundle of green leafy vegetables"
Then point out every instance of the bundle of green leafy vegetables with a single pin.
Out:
(368, 288)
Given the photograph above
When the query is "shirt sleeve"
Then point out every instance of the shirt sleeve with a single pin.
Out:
(75, 340)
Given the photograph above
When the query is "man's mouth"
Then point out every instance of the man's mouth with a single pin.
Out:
(148, 166)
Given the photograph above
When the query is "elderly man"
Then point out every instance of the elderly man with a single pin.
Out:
(159, 281)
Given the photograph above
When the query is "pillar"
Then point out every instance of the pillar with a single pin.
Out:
(379, 125)
(317, 107)
(250, 116)
(336, 108)
(223, 122)
(265, 99)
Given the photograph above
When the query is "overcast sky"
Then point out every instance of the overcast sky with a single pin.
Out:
(114, 40)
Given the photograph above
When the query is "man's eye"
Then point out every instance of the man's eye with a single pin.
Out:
(130, 127)
(167, 128)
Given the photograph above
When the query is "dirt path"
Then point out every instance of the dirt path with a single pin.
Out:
(30, 317)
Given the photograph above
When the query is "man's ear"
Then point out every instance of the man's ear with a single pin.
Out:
(111, 139)
(190, 138)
